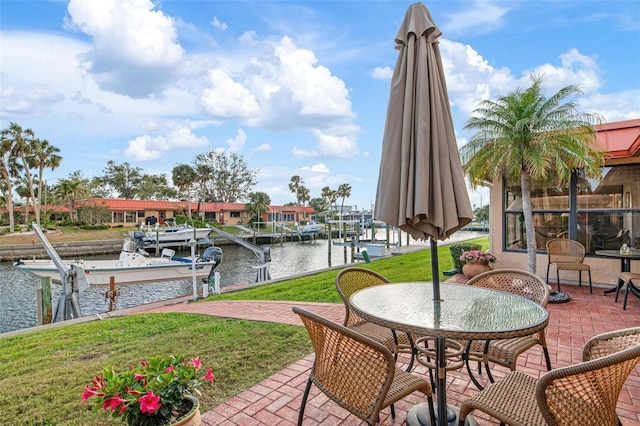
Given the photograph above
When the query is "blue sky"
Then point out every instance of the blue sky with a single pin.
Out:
(295, 87)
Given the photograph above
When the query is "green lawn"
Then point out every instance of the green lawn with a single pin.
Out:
(43, 374)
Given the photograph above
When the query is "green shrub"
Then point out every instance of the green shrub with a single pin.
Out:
(94, 227)
(457, 250)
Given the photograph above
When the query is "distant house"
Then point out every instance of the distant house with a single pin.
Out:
(125, 212)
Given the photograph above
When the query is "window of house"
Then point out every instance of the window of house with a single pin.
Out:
(234, 215)
(606, 212)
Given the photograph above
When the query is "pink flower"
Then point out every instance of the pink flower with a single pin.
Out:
(88, 393)
(112, 403)
(132, 391)
(149, 403)
(196, 363)
(98, 382)
(138, 376)
(209, 376)
(170, 369)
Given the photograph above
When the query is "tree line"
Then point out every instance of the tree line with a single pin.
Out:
(213, 176)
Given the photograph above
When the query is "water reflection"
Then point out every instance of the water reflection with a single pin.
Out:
(18, 289)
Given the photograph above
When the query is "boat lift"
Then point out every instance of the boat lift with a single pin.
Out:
(262, 253)
(73, 282)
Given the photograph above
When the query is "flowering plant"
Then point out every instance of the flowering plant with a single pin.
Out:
(151, 394)
(478, 256)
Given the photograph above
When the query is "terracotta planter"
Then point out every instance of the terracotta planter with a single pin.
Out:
(471, 269)
(192, 418)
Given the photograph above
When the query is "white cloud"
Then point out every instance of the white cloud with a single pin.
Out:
(320, 168)
(575, 68)
(613, 106)
(147, 148)
(262, 148)
(135, 50)
(382, 73)
(32, 100)
(227, 99)
(236, 144)
(218, 25)
(481, 18)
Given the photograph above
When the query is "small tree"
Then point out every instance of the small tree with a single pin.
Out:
(258, 205)
(525, 137)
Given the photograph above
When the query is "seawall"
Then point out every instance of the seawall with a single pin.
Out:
(71, 249)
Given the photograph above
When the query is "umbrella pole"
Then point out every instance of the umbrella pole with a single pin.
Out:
(435, 273)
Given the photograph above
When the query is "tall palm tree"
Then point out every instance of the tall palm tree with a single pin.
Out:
(303, 195)
(7, 171)
(10, 138)
(258, 204)
(20, 141)
(326, 194)
(344, 191)
(184, 176)
(44, 155)
(525, 137)
(334, 201)
(294, 186)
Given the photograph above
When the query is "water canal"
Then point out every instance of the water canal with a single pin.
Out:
(18, 289)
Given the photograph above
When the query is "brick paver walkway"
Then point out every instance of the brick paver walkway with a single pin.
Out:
(276, 400)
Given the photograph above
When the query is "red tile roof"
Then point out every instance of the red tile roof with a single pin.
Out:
(621, 139)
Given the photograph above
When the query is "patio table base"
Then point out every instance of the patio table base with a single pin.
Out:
(418, 415)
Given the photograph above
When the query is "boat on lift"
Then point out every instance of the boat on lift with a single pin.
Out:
(311, 228)
(133, 266)
(170, 233)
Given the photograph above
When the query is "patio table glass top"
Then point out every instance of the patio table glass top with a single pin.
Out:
(464, 312)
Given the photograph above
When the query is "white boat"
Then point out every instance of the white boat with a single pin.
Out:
(132, 267)
(172, 233)
(312, 228)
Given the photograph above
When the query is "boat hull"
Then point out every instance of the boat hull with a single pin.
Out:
(179, 235)
(99, 273)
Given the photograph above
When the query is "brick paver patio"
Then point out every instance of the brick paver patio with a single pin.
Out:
(276, 400)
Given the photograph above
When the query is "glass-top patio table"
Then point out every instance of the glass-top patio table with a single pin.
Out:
(463, 313)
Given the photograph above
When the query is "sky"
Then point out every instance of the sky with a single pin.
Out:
(294, 87)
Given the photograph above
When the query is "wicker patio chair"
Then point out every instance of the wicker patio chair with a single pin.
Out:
(626, 279)
(567, 255)
(581, 394)
(506, 351)
(350, 280)
(357, 373)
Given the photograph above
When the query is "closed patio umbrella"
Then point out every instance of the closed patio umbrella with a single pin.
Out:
(421, 186)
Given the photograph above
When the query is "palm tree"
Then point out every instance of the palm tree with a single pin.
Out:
(326, 194)
(258, 205)
(44, 156)
(294, 186)
(8, 168)
(184, 176)
(70, 190)
(21, 141)
(344, 191)
(303, 195)
(525, 137)
(334, 201)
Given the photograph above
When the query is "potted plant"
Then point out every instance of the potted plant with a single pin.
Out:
(161, 391)
(477, 262)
